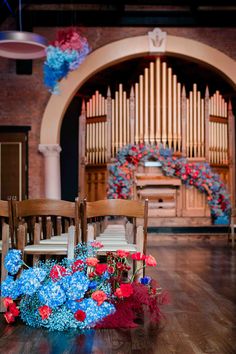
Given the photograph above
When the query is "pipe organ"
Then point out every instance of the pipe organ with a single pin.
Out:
(157, 110)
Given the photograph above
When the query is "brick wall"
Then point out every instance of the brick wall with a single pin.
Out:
(23, 98)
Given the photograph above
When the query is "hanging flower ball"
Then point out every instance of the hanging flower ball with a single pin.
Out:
(65, 54)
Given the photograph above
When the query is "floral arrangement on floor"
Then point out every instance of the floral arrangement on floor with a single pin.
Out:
(65, 54)
(80, 293)
(198, 175)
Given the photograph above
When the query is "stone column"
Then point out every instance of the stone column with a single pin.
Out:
(51, 153)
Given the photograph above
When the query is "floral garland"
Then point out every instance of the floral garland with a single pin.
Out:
(80, 293)
(198, 175)
(65, 54)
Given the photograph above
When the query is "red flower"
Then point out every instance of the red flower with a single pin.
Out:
(122, 254)
(44, 311)
(92, 261)
(120, 265)
(9, 317)
(100, 268)
(150, 261)
(80, 315)
(138, 256)
(111, 270)
(99, 296)
(7, 301)
(125, 290)
(77, 266)
(13, 309)
(57, 272)
(92, 274)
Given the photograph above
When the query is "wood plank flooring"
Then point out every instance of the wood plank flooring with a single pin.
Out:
(200, 276)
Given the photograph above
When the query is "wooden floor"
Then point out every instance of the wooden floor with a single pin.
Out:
(200, 275)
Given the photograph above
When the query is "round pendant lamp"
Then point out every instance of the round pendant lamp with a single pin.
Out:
(22, 45)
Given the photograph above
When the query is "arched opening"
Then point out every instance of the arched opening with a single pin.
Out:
(122, 53)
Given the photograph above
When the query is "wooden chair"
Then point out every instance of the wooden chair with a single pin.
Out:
(6, 239)
(117, 233)
(231, 235)
(46, 226)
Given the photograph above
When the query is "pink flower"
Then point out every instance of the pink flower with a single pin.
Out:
(96, 244)
(80, 315)
(99, 296)
(7, 301)
(122, 254)
(150, 261)
(118, 293)
(44, 311)
(92, 261)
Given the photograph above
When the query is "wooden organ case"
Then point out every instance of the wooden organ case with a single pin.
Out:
(158, 110)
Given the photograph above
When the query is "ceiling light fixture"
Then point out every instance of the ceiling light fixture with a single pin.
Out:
(22, 45)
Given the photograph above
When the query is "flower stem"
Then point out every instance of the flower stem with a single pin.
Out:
(136, 272)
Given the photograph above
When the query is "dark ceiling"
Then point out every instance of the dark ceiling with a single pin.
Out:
(176, 13)
(51, 13)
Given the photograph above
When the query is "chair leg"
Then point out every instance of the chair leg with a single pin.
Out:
(232, 232)
(35, 259)
(2, 307)
(5, 248)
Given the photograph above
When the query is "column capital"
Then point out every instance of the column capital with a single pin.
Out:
(49, 150)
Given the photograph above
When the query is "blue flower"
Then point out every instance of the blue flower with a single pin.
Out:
(145, 280)
(73, 305)
(13, 261)
(10, 287)
(52, 295)
(75, 286)
(93, 284)
(94, 313)
(31, 279)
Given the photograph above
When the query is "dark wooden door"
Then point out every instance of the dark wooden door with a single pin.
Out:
(14, 162)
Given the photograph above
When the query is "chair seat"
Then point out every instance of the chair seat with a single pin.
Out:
(113, 242)
(46, 249)
(111, 237)
(60, 240)
(113, 248)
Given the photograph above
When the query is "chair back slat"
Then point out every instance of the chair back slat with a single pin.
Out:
(45, 207)
(115, 207)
